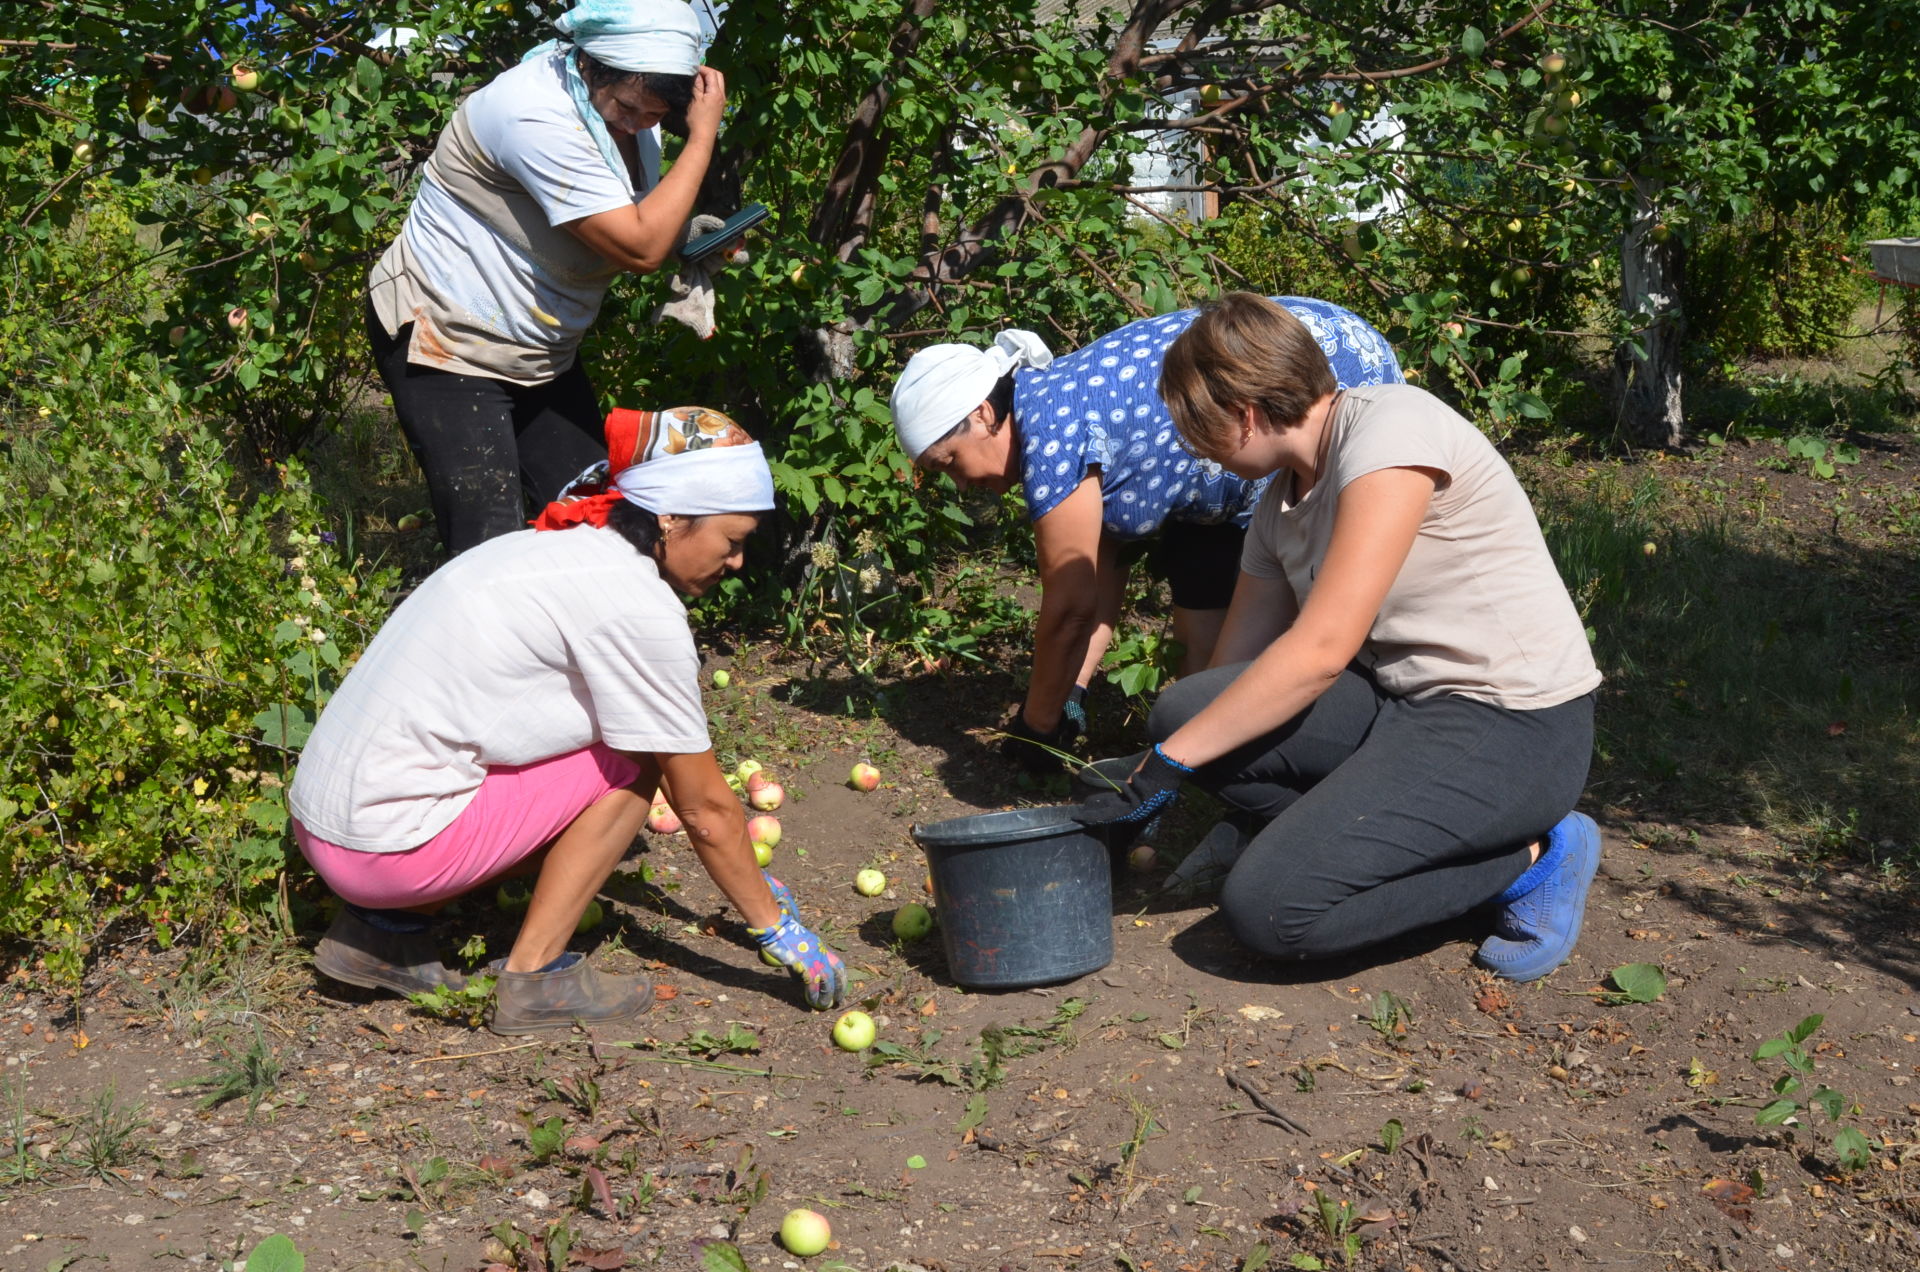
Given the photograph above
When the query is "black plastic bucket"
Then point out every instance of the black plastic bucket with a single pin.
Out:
(1025, 897)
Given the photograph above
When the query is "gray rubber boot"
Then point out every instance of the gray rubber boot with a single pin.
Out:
(533, 1002)
(355, 952)
(1205, 868)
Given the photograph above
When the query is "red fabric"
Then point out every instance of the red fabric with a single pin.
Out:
(628, 431)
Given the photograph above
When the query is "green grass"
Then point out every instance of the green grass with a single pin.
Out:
(1748, 678)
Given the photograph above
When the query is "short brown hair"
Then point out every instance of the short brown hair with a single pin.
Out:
(1242, 350)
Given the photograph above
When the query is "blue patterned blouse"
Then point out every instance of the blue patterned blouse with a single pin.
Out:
(1101, 405)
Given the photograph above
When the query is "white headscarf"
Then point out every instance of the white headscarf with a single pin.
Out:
(943, 383)
(698, 483)
(658, 36)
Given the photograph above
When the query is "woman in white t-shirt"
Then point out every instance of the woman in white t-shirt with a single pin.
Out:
(543, 189)
(1401, 701)
(533, 694)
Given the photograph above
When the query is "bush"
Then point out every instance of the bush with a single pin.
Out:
(1777, 285)
(155, 603)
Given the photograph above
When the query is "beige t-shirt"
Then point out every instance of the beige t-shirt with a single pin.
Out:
(484, 268)
(1478, 609)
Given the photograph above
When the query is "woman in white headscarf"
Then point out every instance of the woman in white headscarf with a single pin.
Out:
(543, 189)
(533, 694)
(1101, 467)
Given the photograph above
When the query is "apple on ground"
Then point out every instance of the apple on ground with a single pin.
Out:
(767, 796)
(805, 1232)
(854, 1031)
(721, 679)
(764, 830)
(592, 917)
(1141, 858)
(912, 921)
(763, 853)
(510, 899)
(662, 820)
(766, 956)
(864, 777)
(747, 768)
(869, 883)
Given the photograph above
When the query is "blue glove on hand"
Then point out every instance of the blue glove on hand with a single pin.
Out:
(782, 897)
(1136, 798)
(823, 978)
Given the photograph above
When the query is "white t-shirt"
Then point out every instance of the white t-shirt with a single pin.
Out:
(482, 268)
(529, 646)
(1478, 609)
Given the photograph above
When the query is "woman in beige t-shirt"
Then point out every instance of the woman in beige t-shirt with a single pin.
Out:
(1400, 704)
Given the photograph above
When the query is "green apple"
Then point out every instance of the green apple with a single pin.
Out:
(510, 899)
(863, 777)
(594, 915)
(763, 853)
(853, 1031)
(869, 883)
(766, 956)
(805, 1232)
(245, 78)
(912, 921)
(721, 679)
(1553, 64)
(747, 768)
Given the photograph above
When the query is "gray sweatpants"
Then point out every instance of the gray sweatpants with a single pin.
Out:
(1382, 815)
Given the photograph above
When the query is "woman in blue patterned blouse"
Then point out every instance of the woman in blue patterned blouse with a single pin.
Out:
(1095, 452)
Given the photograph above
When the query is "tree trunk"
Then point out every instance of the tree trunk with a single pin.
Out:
(1646, 370)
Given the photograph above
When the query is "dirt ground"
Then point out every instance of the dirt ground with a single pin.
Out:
(1185, 1108)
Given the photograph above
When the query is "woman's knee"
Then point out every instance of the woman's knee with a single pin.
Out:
(1267, 927)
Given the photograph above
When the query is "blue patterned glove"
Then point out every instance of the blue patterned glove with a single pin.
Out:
(1137, 797)
(823, 978)
(782, 897)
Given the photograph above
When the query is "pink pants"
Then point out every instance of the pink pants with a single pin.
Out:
(516, 812)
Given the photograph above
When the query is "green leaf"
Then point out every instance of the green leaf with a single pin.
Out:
(1306, 1262)
(1257, 1257)
(976, 1114)
(1391, 1134)
(1341, 126)
(1640, 982)
(276, 1253)
(1473, 42)
(1830, 1102)
(1804, 1030)
(916, 1162)
(1770, 1048)
(1852, 1147)
(722, 1256)
(1776, 1113)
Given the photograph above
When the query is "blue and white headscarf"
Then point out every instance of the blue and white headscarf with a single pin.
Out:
(658, 36)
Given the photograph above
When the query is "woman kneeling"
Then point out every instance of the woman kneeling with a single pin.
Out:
(1401, 699)
(534, 693)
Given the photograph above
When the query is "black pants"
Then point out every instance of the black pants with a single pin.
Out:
(1383, 815)
(492, 451)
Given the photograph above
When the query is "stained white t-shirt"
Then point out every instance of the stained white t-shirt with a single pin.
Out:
(1478, 609)
(482, 268)
(529, 646)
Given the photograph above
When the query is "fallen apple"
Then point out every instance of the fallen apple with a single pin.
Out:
(863, 777)
(869, 883)
(747, 768)
(766, 956)
(853, 1031)
(409, 523)
(805, 1232)
(721, 679)
(768, 796)
(1141, 859)
(1648, 549)
(763, 853)
(764, 830)
(912, 921)
(662, 820)
(592, 917)
(734, 783)
(511, 900)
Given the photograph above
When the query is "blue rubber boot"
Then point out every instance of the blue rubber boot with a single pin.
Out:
(1540, 923)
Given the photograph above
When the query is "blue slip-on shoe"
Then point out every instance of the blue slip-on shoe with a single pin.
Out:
(1540, 921)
